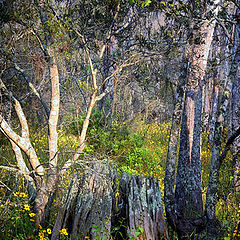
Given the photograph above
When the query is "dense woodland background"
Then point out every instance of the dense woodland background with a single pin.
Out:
(119, 119)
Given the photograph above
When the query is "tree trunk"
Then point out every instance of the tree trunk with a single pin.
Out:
(169, 181)
(96, 207)
(141, 198)
(217, 156)
(220, 79)
(235, 108)
(188, 181)
(186, 216)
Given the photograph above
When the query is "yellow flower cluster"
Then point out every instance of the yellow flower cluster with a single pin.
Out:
(63, 232)
(236, 233)
(43, 234)
(20, 194)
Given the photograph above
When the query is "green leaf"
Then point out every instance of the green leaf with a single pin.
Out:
(146, 3)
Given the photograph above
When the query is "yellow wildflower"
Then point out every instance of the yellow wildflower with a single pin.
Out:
(32, 214)
(26, 207)
(16, 194)
(63, 231)
(23, 195)
(117, 194)
(49, 231)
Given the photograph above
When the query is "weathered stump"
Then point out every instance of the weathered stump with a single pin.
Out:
(101, 206)
(141, 198)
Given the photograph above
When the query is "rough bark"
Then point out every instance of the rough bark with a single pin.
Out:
(215, 166)
(169, 181)
(213, 114)
(217, 156)
(184, 206)
(87, 208)
(235, 108)
(142, 207)
(212, 86)
(96, 206)
(220, 80)
(188, 180)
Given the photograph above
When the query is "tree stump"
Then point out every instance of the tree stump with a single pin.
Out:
(143, 211)
(101, 205)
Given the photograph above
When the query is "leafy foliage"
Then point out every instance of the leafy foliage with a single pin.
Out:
(138, 148)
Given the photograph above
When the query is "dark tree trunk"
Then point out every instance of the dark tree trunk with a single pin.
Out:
(96, 206)
(186, 217)
(217, 156)
(188, 180)
(220, 79)
(235, 108)
(169, 180)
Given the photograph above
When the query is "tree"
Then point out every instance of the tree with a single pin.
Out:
(46, 175)
(184, 206)
(235, 107)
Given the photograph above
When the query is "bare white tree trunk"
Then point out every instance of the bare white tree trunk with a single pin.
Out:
(48, 185)
(23, 141)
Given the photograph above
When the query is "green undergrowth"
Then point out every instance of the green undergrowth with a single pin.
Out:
(138, 148)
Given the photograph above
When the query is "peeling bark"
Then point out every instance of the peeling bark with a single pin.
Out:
(188, 180)
(184, 206)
